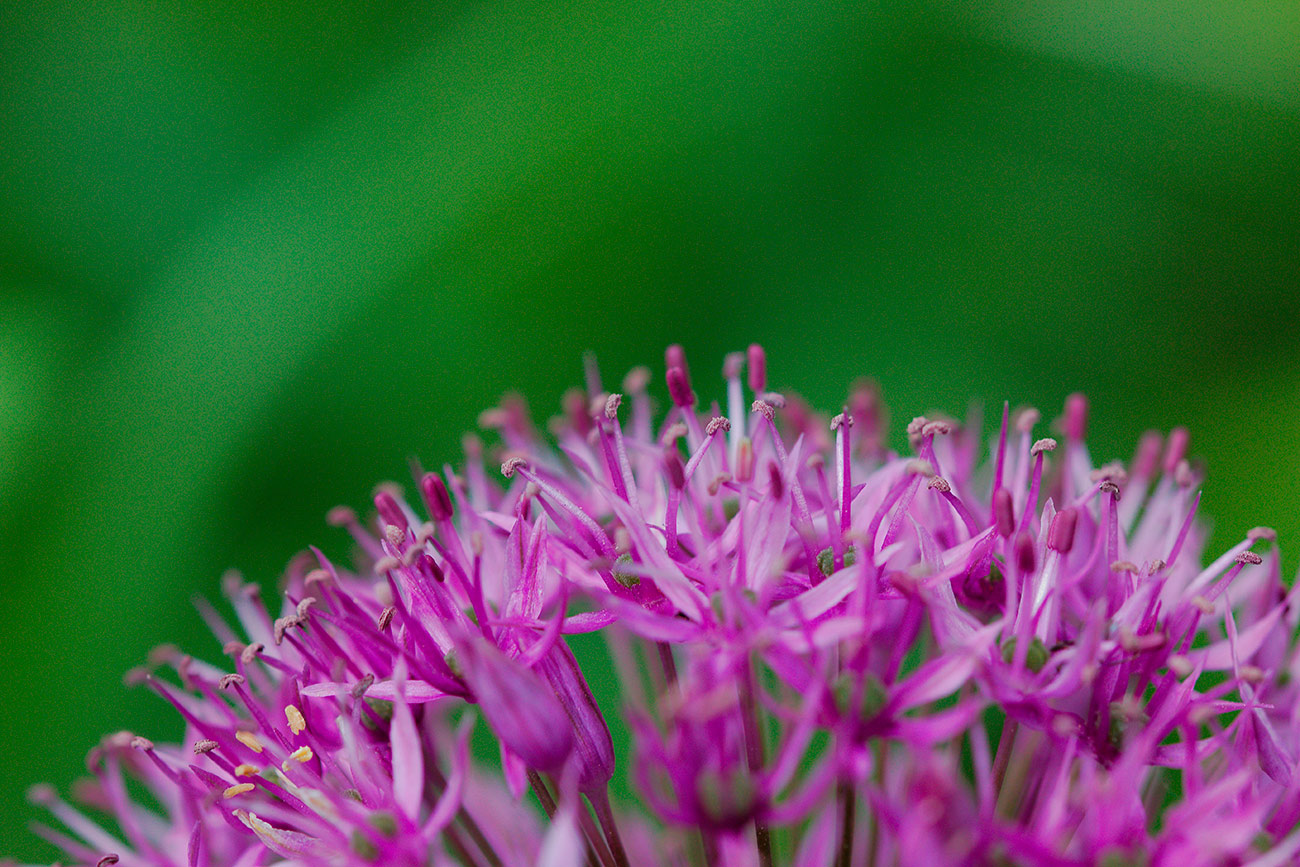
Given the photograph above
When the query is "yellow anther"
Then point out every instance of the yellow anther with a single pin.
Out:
(249, 740)
(302, 754)
(296, 721)
(246, 771)
(238, 789)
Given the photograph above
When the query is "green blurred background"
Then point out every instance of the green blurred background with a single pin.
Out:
(253, 257)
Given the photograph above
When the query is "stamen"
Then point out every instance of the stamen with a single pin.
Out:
(247, 770)
(297, 723)
(511, 466)
(205, 746)
(249, 740)
(1046, 444)
(237, 789)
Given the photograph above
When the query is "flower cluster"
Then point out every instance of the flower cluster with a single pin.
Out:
(826, 653)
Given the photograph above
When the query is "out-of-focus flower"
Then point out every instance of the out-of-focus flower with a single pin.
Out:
(828, 653)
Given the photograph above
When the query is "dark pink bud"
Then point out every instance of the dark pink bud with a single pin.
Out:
(1026, 558)
(1004, 515)
(675, 356)
(1076, 417)
(757, 359)
(595, 748)
(673, 467)
(1175, 449)
(436, 498)
(1060, 537)
(776, 483)
(521, 708)
(389, 511)
(1148, 455)
(679, 387)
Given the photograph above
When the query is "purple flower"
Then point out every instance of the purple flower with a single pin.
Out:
(825, 653)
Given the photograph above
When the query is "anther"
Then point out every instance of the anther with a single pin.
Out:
(362, 686)
(612, 403)
(509, 467)
(1268, 534)
(764, 407)
(842, 419)
(250, 653)
(775, 398)
(1183, 475)
(636, 380)
(732, 364)
(395, 535)
(232, 648)
(1180, 665)
(1111, 472)
(316, 576)
(673, 433)
(304, 605)
(387, 564)
(237, 789)
(1250, 558)
(718, 481)
(1205, 605)
(386, 618)
(205, 746)
(302, 755)
(249, 740)
(1046, 444)
(229, 680)
(340, 516)
(1155, 565)
(918, 467)
(1124, 566)
(246, 770)
(144, 745)
(940, 484)
(282, 625)
(1109, 487)
(757, 368)
(936, 427)
(1026, 419)
(916, 425)
(717, 423)
(1251, 673)
(297, 722)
